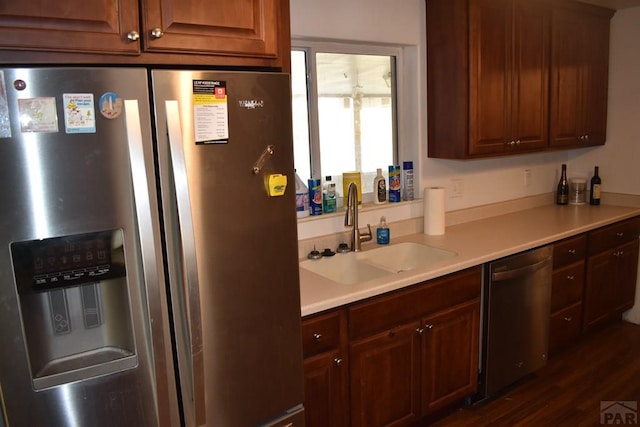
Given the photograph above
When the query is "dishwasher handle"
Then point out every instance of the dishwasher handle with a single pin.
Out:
(519, 272)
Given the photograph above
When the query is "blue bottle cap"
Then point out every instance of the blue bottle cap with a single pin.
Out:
(407, 165)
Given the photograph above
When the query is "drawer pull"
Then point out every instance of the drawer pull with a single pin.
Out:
(570, 277)
(572, 251)
(337, 361)
(317, 337)
(568, 319)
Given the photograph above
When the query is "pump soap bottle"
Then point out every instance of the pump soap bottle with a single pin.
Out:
(382, 233)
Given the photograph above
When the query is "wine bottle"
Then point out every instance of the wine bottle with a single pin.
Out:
(562, 194)
(594, 190)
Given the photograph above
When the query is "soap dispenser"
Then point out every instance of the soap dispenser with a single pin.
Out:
(382, 233)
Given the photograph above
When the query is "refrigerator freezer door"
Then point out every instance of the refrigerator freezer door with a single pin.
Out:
(68, 174)
(246, 289)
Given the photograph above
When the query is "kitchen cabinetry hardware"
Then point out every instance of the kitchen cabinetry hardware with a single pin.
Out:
(317, 336)
(156, 33)
(338, 361)
(133, 36)
(568, 319)
(420, 331)
(572, 251)
(620, 234)
(570, 277)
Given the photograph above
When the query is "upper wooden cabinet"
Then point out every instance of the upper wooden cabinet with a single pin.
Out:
(212, 32)
(489, 65)
(579, 75)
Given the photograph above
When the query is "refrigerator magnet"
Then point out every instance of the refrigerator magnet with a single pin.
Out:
(79, 113)
(38, 114)
(110, 105)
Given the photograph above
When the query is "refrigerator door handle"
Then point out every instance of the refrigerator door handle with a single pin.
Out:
(147, 239)
(188, 258)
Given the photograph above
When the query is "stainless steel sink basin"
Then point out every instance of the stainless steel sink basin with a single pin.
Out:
(357, 267)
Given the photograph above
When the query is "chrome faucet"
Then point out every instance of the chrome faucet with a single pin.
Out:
(351, 220)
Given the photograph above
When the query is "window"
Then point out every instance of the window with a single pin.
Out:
(344, 110)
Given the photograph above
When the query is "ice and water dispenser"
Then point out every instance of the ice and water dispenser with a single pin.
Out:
(74, 305)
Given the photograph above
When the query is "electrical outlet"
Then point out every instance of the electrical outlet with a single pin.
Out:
(457, 188)
(527, 177)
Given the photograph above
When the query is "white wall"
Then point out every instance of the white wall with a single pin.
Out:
(619, 158)
(483, 181)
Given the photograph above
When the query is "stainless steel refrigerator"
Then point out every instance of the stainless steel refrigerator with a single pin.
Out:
(148, 249)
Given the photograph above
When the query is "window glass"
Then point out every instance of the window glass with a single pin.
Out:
(346, 114)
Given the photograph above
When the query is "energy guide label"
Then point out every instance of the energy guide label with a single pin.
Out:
(210, 112)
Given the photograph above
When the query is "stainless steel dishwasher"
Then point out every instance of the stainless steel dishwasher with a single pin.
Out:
(516, 304)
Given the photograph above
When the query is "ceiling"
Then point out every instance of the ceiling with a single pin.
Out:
(614, 4)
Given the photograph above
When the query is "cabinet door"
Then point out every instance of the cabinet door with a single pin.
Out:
(450, 356)
(530, 76)
(595, 80)
(325, 388)
(385, 378)
(490, 82)
(579, 76)
(509, 76)
(626, 275)
(599, 288)
(94, 26)
(566, 83)
(238, 27)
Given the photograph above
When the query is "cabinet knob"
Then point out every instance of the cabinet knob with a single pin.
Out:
(519, 364)
(511, 143)
(337, 361)
(133, 36)
(420, 331)
(156, 33)
(428, 326)
(570, 277)
(620, 234)
(586, 137)
(568, 319)
(618, 253)
(317, 336)
(572, 251)
(518, 142)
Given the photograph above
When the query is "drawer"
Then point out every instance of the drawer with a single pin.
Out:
(565, 328)
(567, 286)
(569, 250)
(403, 306)
(613, 235)
(321, 332)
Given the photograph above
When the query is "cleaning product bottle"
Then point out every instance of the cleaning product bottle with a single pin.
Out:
(329, 195)
(394, 184)
(407, 180)
(379, 188)
(382, 233)
(302, 198)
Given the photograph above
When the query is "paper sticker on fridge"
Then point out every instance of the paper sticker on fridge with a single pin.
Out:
(210, 112)
(79, 113)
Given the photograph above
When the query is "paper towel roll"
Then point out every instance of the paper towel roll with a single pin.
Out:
(434, 211)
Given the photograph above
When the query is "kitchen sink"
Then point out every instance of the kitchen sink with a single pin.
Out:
(356, 267)
(345, 268)
(405, 256)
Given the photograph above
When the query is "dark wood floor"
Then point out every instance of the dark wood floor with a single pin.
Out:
(604, 366)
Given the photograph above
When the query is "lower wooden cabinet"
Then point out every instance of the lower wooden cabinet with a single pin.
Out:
(409, 352)
(611, 272)
(450, 356)
(326, 369)
(385, 377)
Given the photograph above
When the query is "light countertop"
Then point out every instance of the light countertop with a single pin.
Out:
(475, 242)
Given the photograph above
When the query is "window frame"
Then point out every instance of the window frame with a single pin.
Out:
(310, 48)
